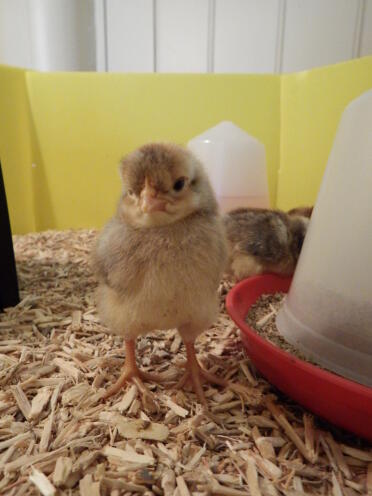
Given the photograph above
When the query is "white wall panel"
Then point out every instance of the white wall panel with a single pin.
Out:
(318, 32)
(245, 35)
(366, 38)
(181, 35)
(100, 21)
(130, 35)
(62, 35)
(15, 33)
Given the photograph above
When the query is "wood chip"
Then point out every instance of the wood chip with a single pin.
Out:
(75, 394)
(127, 456)
(182, 487)
(309, 435)
(46, 433)
(178, 410)
(68, 368)
(14, 440)
(264, 446)
(328, 453)
(248, 374)
(224, 407)
(120, 486)
(39, 403)
(365, 456)
(261, 421)
(215, 488)
(168, 482)
(336, 488)
(177, 341)
(268, 468)
(355, 485)
(62, 471)
(268, 488)
(137, 429)
(297, 484)
(88, 487)
(76, 320)
(252, 477)
(288, 429)
(22, 401)
(85, 460)
(42, 483)
(127, 399)
(195, 459)
(369, 480)
(339, 457)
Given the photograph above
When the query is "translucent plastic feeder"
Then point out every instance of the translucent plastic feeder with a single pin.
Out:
(328, 311)
(236, 165)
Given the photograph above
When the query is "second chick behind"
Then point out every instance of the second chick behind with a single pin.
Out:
(262, 240)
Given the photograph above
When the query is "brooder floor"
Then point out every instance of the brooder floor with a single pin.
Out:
(57, 435)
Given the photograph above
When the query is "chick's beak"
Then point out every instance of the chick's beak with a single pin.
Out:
(149, 200)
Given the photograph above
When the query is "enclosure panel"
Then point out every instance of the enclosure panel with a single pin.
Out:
(15, 47)
(86, 122)
(15, 149)
(83, 123)
(181, 35)
(245, 35)
(318, 32)
(366, 34)
(311, 107)
(62, 35)
(130, 35)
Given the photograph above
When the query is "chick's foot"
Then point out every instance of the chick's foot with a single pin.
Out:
(131, 373)
(198, 376)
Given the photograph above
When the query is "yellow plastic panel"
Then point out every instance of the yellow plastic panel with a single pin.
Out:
(84, 123)
(74, 127)
(311, 106)
(15, 149)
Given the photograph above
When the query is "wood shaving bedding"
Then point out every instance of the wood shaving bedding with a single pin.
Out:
(57, 436)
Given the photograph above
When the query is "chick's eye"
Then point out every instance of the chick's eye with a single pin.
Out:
(130, 192)
(179, 184)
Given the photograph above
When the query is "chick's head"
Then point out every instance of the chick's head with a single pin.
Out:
(298, 226)
(163, 183)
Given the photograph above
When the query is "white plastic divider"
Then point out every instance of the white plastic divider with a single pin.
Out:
(236, 165)
(328, 311)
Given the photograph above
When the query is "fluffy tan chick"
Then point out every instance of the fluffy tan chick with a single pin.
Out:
(262, 241)
(160, 259)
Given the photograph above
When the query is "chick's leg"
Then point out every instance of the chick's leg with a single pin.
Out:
(131, 372)
(130, 369)
(198, 375)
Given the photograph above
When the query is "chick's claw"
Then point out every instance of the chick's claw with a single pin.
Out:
(131, 373)
(198, 376)
(135, 376)
(148, 399)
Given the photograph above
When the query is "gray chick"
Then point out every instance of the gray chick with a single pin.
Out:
(263, 241)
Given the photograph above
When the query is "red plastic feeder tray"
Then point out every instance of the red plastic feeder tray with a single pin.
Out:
(345, 403)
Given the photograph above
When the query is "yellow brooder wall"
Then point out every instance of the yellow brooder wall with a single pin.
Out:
(15, 148)
(312, 103)
(62, 134)
(84, 124)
